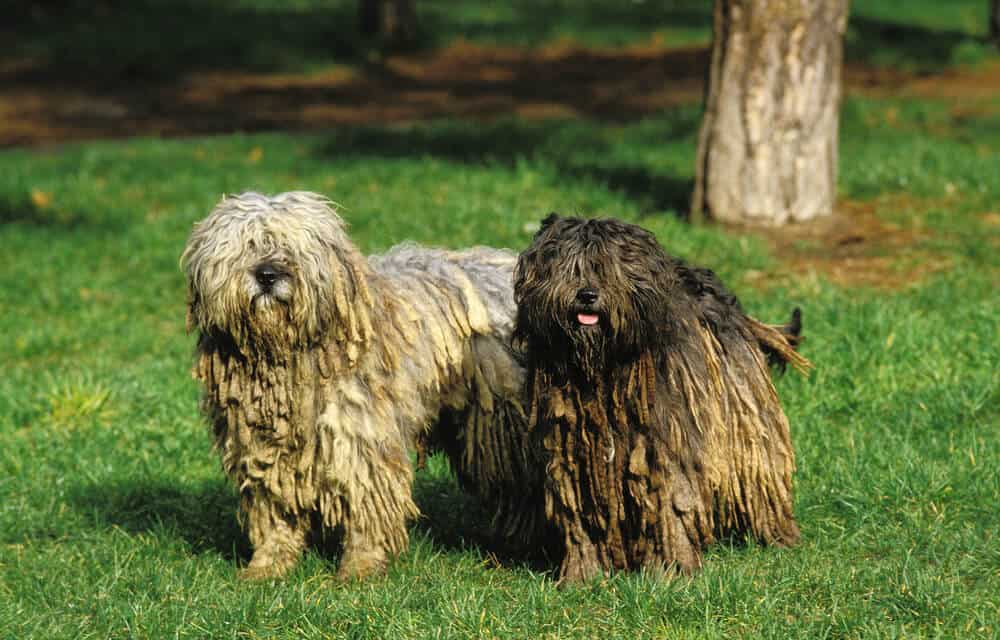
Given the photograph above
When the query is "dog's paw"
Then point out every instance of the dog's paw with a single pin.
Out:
(263, 573)
(358, 565)
(268, 565)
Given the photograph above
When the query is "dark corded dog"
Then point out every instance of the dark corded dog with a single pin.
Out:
(652, 406)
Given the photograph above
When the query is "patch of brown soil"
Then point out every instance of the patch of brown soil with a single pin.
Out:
(855, 247)
(462, 80)
(979, 84)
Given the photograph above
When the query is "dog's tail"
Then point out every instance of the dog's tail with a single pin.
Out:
(780, 341)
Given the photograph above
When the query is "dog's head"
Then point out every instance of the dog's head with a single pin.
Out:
(275, 272)
(591, 290)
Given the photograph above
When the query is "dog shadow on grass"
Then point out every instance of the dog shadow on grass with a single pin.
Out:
(454, 521)
(204, 516)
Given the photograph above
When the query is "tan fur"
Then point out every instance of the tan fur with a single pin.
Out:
(317, 387)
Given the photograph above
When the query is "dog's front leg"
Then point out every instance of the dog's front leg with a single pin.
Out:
(278, 538)
(362, 556)
(379, 506)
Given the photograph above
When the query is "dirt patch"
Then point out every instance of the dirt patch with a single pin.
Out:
(981, 83)
(462, 80)
(855, 246)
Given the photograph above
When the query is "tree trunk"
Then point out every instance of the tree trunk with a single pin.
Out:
(394, 22)
(767, 150)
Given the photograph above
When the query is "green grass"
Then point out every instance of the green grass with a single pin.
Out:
(109, 39)
(116, 521)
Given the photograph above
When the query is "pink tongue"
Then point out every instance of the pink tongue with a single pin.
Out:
(586, 318)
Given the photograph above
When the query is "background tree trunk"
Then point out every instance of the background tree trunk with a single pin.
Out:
(394, 22)
(767, 150)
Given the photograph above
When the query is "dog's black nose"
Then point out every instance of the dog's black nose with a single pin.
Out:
(587, 296)
(266, 275)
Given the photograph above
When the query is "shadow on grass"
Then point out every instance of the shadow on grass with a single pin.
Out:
(653, 192)
(14, 209)
(450, 517)
(57, 214)
(84, 70)
(903, 46)
(536, 21)
(574, 150)
(162, 39)
(92, 70)
(204, 515)
(112, 41)
(453, 520)
(35, 210)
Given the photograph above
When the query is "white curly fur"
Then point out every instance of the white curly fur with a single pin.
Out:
(318, 384)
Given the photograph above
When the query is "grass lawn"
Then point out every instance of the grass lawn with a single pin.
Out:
(111, 38)
(116, 521)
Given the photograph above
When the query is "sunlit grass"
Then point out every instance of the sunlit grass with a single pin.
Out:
(116, 521)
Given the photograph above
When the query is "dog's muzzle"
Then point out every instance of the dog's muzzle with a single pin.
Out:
(272, 282)
(266, 275)
(586, 312)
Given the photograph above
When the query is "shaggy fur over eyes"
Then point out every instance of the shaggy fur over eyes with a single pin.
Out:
(322, 368)
(652, 409)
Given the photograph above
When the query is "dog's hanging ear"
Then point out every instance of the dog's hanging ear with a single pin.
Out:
(194, 307)
(351, 304)
(191, 321)
(546, 222)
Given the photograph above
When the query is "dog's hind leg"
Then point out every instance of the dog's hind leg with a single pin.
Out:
(278, 539)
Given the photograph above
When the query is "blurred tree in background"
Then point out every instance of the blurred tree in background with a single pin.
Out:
(394, 22)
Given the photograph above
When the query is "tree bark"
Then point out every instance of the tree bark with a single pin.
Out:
(767, 150)
(392, 21)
